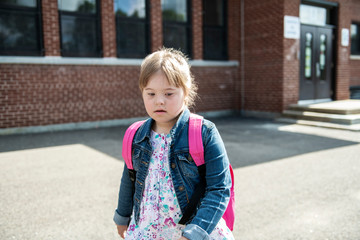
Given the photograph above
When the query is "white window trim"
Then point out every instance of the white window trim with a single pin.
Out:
(50, 60)
(355, 57)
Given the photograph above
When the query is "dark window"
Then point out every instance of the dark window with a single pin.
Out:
(80, 28)
(132, 38)
(215, 29)
(20, 28)
(176, 25)
(355, 38)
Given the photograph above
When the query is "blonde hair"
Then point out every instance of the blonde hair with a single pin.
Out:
(174, 64)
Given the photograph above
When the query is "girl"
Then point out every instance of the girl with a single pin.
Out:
(165, 172)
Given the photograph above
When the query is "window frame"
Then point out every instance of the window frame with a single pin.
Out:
(146, 22)
(357, 39)
(37, 14)
(186, 25)
(98, 33)
(207, 52)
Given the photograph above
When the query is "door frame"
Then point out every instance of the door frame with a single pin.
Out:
(315, 83)
(332, 21)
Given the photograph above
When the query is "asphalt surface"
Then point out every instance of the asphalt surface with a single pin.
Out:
(292, 182)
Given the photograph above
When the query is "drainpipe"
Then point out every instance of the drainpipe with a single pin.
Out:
(242, 61)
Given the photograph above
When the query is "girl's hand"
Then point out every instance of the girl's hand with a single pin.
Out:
(121, 230)
(183, 238)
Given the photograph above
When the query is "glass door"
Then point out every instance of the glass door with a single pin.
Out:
(316, 63)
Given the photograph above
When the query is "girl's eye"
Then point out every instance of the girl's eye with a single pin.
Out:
(168, 94)
(151, 94)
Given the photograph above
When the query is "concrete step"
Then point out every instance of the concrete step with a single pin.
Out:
(344, 107)
(353, 127)
(347, 119)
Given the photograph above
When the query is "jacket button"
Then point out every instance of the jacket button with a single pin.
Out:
(173, 165)
(181, 188)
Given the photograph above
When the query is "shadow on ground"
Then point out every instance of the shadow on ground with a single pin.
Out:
(248, 141)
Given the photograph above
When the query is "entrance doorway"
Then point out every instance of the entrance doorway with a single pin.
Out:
(316, 63)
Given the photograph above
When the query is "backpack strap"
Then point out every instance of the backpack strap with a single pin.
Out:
(196, 150)
(196, 147)
(127, 143)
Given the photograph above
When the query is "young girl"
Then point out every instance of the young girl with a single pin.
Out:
(166, 175)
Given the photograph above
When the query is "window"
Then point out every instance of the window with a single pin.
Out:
(176, 25)
(80, 28)
(20, 28)
(132, 28)
(322, 57)
(355, 39)
(313, 15)
(308, 54)
(214, 30)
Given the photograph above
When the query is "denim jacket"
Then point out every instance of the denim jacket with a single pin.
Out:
(185, 176)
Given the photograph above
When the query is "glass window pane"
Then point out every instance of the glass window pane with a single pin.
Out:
(131, 39)
(130, 8)
(313, 15)
(85, 6)
(355, 39)
(175, 37)
(22, 3)
(322, 57)
(308, 54)
(213, 12)
(214, 30)
(214, 44)
(78, 36)
(174, 10)
(19, 32)
(354, 30)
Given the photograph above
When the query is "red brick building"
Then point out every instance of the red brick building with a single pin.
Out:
(66, 62)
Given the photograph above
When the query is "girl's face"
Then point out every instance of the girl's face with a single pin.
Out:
(163, 102)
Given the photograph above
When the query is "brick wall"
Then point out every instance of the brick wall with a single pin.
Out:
(355, 73)
(234, 45)
(355, 64)
(216, 88)
(50, 18)
(42, 94)
(52, 94)
(291, 62)
(343, 53)
(263, 55)
(156, 25)
(197, 35)
(108, 28)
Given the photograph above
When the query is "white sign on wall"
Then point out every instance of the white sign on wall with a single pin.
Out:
(345, 35)
(291, 27)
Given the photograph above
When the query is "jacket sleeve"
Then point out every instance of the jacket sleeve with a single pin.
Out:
(125, 202)
(217, 193)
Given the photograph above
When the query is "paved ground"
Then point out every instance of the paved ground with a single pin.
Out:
(292, 182)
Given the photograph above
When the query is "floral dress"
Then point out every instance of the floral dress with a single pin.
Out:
(159, 209)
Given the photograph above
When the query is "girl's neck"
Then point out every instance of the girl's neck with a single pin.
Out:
(162, 128)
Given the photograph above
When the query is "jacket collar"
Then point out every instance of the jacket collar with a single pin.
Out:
(180, 123)
(145, 129)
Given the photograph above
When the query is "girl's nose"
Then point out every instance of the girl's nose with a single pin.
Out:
(160, 100)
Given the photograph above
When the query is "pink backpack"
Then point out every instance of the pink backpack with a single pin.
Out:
(196, 150)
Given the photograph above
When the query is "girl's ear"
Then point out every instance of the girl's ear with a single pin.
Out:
(186, 100)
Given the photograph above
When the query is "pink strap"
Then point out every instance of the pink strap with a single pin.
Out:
(196, 147)
(229, 214)
(127, 143)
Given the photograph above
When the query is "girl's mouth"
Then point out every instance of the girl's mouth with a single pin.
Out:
(160, 111)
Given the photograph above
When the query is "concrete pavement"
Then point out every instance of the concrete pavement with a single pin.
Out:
(292, 182)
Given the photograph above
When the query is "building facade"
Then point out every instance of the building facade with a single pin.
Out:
(78, 61)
